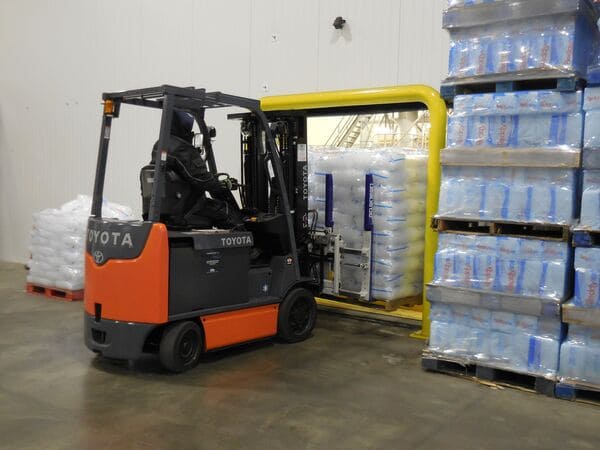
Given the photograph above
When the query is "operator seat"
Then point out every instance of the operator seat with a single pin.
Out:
(177, 196)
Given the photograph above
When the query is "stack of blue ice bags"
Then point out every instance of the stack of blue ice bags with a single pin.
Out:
(590, 199)
(580, 353)
(524, 122)
(527, 37)
(512, 160)
(491, 333)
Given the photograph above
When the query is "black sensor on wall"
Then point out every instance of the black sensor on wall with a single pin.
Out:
(339, 23)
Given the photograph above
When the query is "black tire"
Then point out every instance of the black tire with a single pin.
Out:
(181, 346)
(297, 316)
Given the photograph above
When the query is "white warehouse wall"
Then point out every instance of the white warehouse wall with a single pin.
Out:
(59, 56)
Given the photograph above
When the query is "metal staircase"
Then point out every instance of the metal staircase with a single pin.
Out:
(349, 130)
(404, 129)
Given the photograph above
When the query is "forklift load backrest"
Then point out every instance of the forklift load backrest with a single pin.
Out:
(176, 193)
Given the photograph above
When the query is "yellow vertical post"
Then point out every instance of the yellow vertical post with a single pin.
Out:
(437, 137)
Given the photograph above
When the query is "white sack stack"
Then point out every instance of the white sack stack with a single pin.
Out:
(58, 242)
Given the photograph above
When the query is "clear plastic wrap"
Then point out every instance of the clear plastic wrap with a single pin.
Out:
(580, 353)
(591, 139)
(592, 128)
(58, 242)
(594, 74)
(516, 120)
(580, 356)
(590, 158)
(517, 37)
(399, 186)
(530, 130)
(453, 3)
(594, 70)
(511, 341)
(510, 10)
(590, 200)
(518, 103)
(587, 277)
(541, 195)
(507, 265)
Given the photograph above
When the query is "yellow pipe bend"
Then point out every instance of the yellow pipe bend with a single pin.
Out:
(380, 96)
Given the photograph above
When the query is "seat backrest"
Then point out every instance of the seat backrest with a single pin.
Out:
(176, 193)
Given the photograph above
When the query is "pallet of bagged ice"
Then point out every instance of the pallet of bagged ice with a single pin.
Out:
(495, 338)
(513, 156)
(580, 356)
(506, 265)
(399, 186)
(579, 370)
(517, 284)
(591, 140)
(593, 75)
(590, 201)
(522, 119)
(58, 242)
(590, 198)
(580, 353)
(526, 38)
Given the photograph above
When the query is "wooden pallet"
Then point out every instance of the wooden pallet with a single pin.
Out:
(580, 315)
(477, 298)
(392, 305)
(385, 305)
(511, 82)
(528, 157)
(488, 374)
(586, 238)
(52, 292)
(580, 392)
(502, 228)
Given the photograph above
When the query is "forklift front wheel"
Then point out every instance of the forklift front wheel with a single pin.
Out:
(297, 316)
(180, 346)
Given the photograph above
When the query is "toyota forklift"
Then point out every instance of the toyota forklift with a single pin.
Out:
(153, 289)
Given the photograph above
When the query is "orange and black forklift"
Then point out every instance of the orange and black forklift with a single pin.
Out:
(176, 292)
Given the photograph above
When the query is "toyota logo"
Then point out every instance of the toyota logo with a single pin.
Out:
(98, 257)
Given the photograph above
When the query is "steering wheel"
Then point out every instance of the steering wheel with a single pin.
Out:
(228, 182)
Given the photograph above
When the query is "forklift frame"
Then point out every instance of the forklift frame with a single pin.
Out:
(195, 101)
(179, 293)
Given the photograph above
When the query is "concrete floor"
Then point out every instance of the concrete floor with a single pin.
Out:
(354, 384)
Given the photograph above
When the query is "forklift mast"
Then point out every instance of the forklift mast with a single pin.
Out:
(263, 193)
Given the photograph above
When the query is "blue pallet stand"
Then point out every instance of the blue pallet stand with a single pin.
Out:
(585, 238)
(571, 392)
(566, 83)
(565, 392)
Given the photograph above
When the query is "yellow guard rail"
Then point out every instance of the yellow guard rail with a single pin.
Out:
(385, 96)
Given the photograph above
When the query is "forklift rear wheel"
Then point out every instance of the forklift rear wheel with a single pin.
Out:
(180, 346)
(297, 316)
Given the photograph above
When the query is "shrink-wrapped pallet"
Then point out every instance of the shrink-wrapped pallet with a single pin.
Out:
(399, 188)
